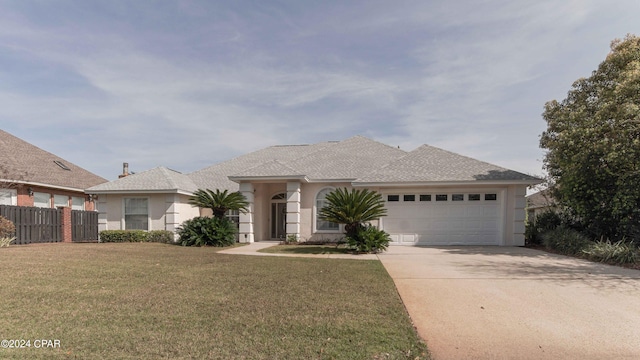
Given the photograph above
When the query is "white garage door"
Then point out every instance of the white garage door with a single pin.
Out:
(465, 218)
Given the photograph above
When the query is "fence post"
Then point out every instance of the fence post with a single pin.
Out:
(66, 224)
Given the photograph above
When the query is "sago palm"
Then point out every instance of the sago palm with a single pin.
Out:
(219, 202)
(352, 208)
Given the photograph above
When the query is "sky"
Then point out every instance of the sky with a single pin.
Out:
(187, 84)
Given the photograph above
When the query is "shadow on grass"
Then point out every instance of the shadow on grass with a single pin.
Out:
(306, 249)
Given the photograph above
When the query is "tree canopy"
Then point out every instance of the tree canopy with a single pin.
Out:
(593, 145)
(219, 201)
(353, 208)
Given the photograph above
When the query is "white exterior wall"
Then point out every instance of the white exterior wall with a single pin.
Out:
(309, 192)
(166, 211)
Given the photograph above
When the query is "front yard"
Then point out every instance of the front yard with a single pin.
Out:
(150, 301)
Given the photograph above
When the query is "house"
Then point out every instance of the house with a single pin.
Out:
(538, 203)
(30, 176)
(433, 196)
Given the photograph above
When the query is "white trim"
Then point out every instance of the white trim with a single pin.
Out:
(13, 194)
(315, 215)
(470, 183)
(122, 192)
(42, 185)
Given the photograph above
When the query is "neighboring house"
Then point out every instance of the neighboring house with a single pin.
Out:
(433, 197)
(538, 203)
(30, 176)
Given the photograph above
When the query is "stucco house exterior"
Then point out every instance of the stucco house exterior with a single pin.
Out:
(31, 176)
(433, 197)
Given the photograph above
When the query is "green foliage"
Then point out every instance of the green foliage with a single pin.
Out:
(160, 236)
(543, 222)
(369, 239)
(118, 236)
(353, 208)
(219, 202)
(291, 239)
(211, 231)
(593, 145)
(7, 229)
(565, 241)
(6, 241)
(616, 253)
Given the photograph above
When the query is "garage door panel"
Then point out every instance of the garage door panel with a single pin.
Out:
(444, 223)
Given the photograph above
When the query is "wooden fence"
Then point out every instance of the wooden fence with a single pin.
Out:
(41, 225)
(34, 225)
(84, 226)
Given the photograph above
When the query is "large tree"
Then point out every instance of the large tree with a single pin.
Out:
(593, 145)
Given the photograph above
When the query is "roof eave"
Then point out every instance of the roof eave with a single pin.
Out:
(443, 183)
(147, 191)
(239, 179)
(32, 183)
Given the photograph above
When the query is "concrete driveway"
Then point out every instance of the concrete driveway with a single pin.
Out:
(517, 303)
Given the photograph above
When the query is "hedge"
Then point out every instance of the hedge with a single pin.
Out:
(119, 236)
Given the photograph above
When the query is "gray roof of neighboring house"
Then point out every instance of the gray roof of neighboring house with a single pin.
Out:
(431, 164)
(160, 179)
(541, 199)
(26, 163)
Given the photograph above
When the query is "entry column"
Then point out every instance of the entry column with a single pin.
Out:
(246, 219)
(293, 209)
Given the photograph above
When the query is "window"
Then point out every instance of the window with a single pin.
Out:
(393, 197)
(77, 203)
(409, 198)
(457, 197)
(442, 197)
(136, 214)
(425, 197)
(474, 197)
(322, 225)
(42, 200)
(490, 197)
(60, 200)
(8, 197)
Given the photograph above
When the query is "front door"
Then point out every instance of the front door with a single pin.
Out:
(278, 220)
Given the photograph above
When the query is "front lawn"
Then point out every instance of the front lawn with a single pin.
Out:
(151, 301)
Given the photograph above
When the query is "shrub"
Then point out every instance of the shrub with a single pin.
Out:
(291, 239)
(201, 231)
(118, 236)
(565, 241)
(543, 222)
(617, 253)
(369, 239)
(7, 229)
(161, 236)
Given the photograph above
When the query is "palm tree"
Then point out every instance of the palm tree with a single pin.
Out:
(219, 202)
(352, 208)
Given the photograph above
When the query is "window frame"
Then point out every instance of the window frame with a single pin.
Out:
(36, 194)
(12, 195)
(316, 214)
(124, 212)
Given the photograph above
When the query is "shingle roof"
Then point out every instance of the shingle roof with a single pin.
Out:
(431, 164)
(217, 176)
(24, 162)
(160, 179)
(357, 159)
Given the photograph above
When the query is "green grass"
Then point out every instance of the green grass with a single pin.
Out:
(157, 301)
(306, 249)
